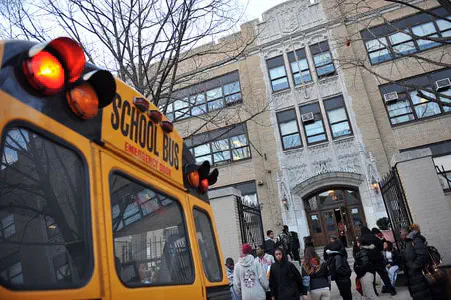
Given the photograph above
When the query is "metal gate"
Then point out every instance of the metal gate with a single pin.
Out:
(251, 224)
(395, 203)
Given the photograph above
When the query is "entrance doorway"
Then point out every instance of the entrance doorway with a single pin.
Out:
(334, 212)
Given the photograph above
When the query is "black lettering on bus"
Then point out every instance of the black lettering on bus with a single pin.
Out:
(176, 156)
(170, 154)
(149, 134)
(165, 147)
(155, 138)
(142, 131)
(124, 126)
(115, 114)
(134, 125)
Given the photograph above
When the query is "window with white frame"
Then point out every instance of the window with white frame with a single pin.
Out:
(299, 66)
(314, 128)
(205, 97)
(322, 58)
(408, 35)
(289, 129)
(221, 146)
(337, 117)
(423, 102)
(277, 73)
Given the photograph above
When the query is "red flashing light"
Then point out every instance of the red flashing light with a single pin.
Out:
(155, 115)
(44, 72)
(203, 185)
(167, 126)
(71, 55)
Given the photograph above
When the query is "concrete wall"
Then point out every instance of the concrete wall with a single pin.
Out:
(223, 203)
(425, 197)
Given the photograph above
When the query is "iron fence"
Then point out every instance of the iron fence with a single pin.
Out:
(251, 224)
(395, 204)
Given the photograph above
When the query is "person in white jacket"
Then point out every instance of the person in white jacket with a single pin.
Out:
(250, 281)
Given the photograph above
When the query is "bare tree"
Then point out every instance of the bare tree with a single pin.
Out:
(364, 15)
(142, 41)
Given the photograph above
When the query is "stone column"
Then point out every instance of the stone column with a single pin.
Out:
(223, 202)
(425, 197)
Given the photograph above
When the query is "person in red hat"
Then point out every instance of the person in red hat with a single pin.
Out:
(250, 281)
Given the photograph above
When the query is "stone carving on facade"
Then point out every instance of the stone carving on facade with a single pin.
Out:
(281, 100)
(329, 86)
(288, 19)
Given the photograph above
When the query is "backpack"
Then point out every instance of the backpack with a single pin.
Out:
(434, 256)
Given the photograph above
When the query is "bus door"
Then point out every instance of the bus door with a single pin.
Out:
(208, 251)
(147, 233)
(47, 231)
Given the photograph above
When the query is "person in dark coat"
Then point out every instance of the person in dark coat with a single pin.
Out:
(364, 270)
(416, 256)
(334, 243)
(377, 258)
(339, 269)
(318, 275)
(285, 281)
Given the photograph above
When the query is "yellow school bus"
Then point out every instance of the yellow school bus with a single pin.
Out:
(99, 198)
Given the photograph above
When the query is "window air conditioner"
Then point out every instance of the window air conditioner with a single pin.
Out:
(442, 84)
(308, 117)
(390, 97)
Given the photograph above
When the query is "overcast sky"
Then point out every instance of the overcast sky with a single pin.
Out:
(255, 8)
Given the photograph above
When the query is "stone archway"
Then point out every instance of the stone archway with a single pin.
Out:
(332, 205)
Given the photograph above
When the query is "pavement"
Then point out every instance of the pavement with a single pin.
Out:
(402, 292)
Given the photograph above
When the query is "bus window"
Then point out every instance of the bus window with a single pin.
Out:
(150, 241)
(207, 245)
(44, 230)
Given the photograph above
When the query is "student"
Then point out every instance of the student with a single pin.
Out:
(339, 269)
(265, 260)
(230, 265)
(318, 273)
(285, 281)
(249, 278)
(392, 263)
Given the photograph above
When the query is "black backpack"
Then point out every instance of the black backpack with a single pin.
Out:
(434, 256)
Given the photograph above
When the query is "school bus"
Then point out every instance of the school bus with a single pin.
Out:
(99, 197)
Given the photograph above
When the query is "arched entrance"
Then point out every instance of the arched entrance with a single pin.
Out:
(335, 211)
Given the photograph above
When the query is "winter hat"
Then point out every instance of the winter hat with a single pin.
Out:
(246, 249)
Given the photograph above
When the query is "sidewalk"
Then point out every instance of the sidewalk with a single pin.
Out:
(403, 292)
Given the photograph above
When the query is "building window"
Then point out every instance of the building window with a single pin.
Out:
(248, 192)
(322, 58)
(416, 104)
(289, 129)
(299, 65)
(204, 97)
(337, 117)
(277, 73)
(314, 128)
(221, 146)
(406, 36)
(7, 226)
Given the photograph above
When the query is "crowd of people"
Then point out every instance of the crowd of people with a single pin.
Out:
(272, 275)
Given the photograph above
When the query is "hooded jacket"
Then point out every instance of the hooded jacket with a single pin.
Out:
(285, 280)
(249, 279)
(362, 263)
(338, 265)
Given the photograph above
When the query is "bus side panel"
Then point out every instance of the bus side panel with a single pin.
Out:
(151, 289)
